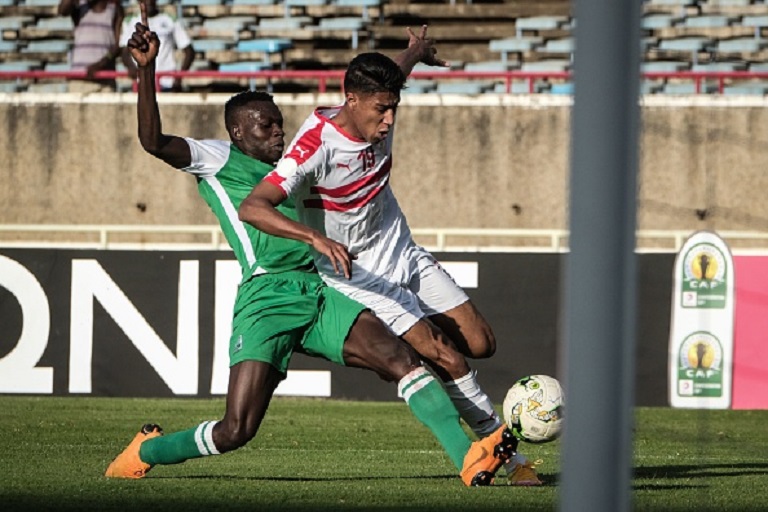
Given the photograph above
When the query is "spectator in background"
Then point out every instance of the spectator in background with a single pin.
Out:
(173, 36)
(97, 28)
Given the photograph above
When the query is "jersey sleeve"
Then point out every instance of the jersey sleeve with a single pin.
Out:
(208, 156)
(126, 30)
(302, 162)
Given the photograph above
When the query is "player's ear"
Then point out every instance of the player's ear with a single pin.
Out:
(351, 98)
(235, 132)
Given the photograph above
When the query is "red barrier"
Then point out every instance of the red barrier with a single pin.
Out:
(323, 77)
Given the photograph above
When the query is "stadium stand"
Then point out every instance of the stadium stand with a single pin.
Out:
(703, 36)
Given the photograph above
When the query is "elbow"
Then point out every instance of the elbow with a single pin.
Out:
(244, 212)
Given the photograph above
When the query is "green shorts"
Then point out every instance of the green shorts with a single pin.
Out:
(279, 314)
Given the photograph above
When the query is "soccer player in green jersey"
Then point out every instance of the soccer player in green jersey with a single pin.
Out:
(282, 305)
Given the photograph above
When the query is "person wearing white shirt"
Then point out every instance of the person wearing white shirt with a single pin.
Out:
(173, 37)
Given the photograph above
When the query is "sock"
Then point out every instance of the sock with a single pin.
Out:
(179, 446)
(432, 407)
(517, 458)
(473, 404)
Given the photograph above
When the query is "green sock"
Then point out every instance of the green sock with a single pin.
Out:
(179, 446)
(430, 404)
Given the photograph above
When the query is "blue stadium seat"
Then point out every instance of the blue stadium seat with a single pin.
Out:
(564, 45)
(491, 66)
(521, 87)
(8, 87)
(15, 22)
(656, 21)
(250, 65)
(689, 88)
(58, 66)
(47, 46)
(264, 45)
(353, 25)
(564, 88)
(228, 24)
(293, 23)
(536, 23)
(740, 45)
(187, 3)
(56, 23)
(718, 67)
(750, 89)
(253, 2)
(514, 45)
(664, 66)
(756, 21)
(546, 65)
(42, 3)
(364, 5)
(651, 86)
(464, 87)
(8, 46)
(21, 65)
(212, 45)
(416, 86)
(708, 21)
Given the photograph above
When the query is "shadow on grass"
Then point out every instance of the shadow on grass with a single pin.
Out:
(702, 470)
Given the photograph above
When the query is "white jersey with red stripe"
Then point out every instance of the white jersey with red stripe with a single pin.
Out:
(341, 187)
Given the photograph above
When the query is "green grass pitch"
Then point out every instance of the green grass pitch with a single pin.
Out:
(326, 455)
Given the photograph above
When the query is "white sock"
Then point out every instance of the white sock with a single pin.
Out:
(474, 406)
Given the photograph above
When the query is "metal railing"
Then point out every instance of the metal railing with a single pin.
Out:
(322, 78)
(210, 237)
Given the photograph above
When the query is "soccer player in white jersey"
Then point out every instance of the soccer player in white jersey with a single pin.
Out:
(173, 37)
(282, 305)
(337, 171)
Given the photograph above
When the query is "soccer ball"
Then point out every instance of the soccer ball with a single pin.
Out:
(533, 409)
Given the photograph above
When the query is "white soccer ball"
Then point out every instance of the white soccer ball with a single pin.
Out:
(533, 409)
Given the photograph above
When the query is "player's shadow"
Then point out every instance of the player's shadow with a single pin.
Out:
(689, 472)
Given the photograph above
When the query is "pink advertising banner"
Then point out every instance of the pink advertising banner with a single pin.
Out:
(750, 358)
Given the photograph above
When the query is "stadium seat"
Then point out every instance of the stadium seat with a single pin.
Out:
(748, 89)
(364, 5)
(15, 22)
(664, 66)
(21, 65)
(720, 66)
(689, 45)
(343, 24)
(48, 87)
(491, 66)
(546, 65)
(656, 21)
(683, 88)
(563, 88)
(514, 45)
(740, 45)
(42, 3)
(267, 47)
(707, 21)
(212, 45)
(464, 87)
(47, 46)
(564, 45)
(536, 23)
(8, 87)
(55, 23)
(416, 86)
(757, 22)
(189, 3)
(8, 46)
(294, 23)
(253, 2)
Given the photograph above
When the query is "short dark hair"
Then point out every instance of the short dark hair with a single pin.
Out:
(240, 100)
(374, 72)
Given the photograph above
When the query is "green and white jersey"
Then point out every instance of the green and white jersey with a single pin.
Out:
(225, 177)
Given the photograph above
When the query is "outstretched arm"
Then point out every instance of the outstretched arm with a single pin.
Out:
(171, 149)
(420, 49)
(259, 210)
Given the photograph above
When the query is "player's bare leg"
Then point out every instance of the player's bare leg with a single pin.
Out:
(468, 329)
(251, 386)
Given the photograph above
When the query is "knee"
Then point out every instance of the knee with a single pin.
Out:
(482, 345)
(231, 434)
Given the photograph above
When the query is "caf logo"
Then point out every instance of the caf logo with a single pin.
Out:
(701, 354)
(704, 262)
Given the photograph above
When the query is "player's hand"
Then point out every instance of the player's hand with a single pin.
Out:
(340, 257)
(143, 44)
(425, 47)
